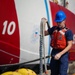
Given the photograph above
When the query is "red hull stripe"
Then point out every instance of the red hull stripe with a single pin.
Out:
(9, 33)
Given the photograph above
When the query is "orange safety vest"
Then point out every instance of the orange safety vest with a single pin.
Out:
(58, 39)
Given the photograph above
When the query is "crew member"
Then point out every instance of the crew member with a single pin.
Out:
(61, 42)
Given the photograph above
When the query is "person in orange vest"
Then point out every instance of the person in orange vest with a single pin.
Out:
(61, 42)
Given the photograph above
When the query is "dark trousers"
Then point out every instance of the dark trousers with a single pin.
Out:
(59, 67)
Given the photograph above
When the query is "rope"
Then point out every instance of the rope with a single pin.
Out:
(42, 46)
(25, 62)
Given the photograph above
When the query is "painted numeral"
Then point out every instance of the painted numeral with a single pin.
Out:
(9, 28)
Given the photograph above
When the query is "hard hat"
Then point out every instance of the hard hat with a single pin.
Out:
(60, 16)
